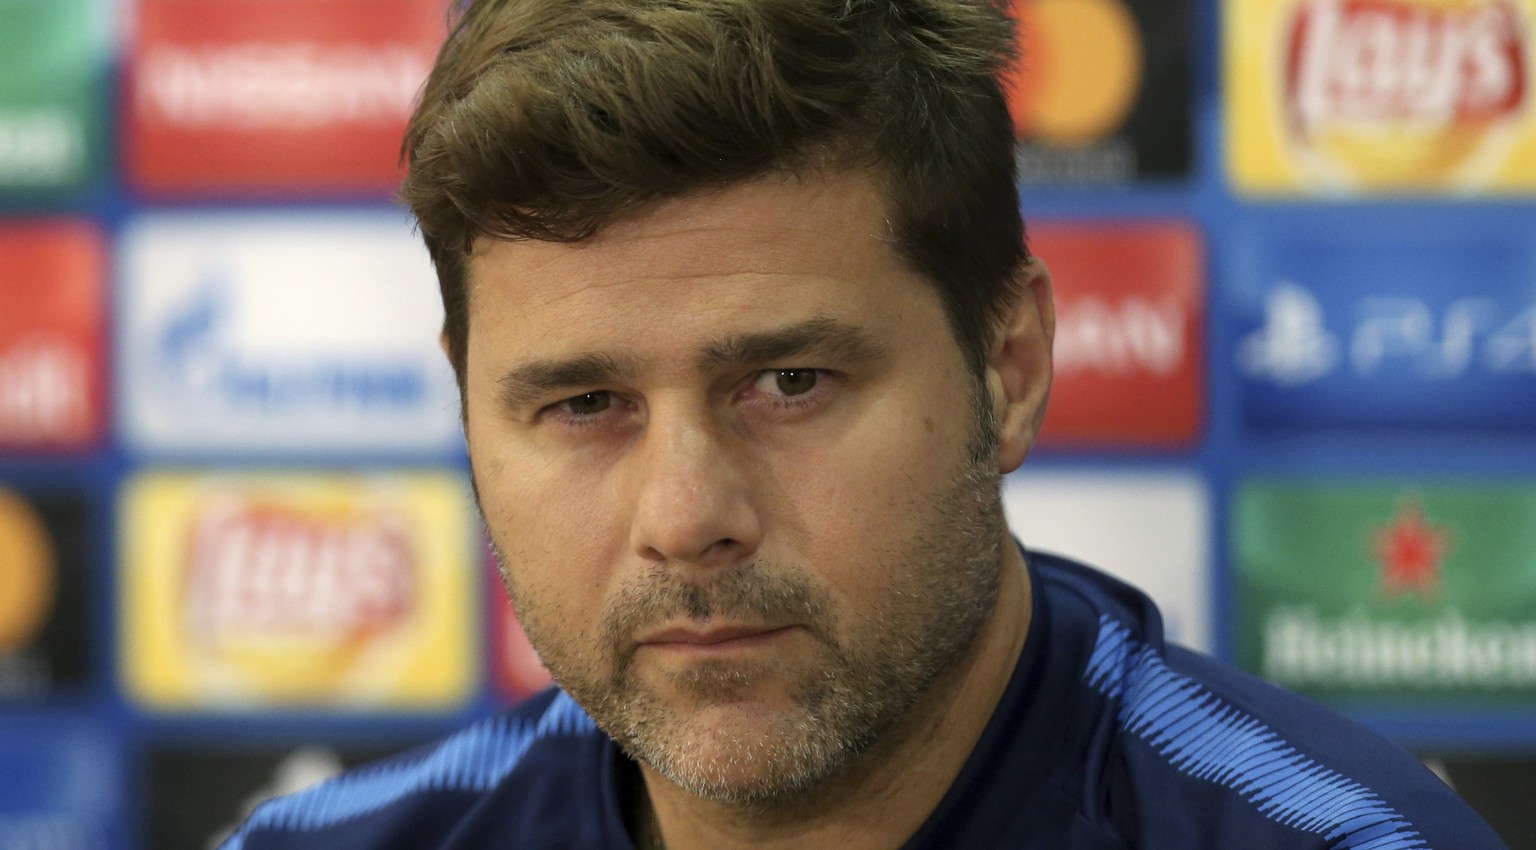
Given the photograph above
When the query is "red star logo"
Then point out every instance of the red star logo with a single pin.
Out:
(1410, 553)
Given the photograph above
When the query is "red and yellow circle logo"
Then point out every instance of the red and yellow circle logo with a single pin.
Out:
(27, 573)
(1080, 70)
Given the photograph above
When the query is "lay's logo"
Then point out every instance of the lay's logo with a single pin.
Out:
(264, 570)
(1382, 94)
(1374, 65)
(248, 590)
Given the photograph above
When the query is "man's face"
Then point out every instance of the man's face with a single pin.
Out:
(732, 461)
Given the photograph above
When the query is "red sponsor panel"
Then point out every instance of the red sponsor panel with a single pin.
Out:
(275, 96)
(52, 290)
(519, 673)
(1129, 334)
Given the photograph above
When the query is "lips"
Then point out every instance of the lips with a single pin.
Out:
(683, 636)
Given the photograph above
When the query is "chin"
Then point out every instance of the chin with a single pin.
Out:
(751, 752)
(743, 775)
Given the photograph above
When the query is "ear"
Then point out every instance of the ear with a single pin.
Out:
(1019, 365)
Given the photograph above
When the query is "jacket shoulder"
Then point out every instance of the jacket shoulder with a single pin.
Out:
(1211, 755)
(414, 799)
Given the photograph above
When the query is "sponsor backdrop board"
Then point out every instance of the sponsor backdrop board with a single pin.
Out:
(1365, 96)
(1151, 529)
(54, 96)
(59, 786)
(242, 591)
(1398, 593)
(241, 333)
(1292, 246)
(1499, 786)
(248, 96)
(45, 555)
(1103, 91)
(1407, 321)
(52, 330)
(1130, 334)
(199, 794)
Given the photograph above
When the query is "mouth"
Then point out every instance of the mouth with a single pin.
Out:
(714, 641)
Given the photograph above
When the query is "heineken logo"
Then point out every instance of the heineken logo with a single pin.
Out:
(1416, 595)
(1303, 648)
(1411, 553)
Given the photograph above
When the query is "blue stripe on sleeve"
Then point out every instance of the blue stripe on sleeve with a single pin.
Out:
(474, 759)
(1207, 739)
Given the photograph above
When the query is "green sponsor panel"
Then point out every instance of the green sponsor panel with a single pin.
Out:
(54, 62)
(1398, 595)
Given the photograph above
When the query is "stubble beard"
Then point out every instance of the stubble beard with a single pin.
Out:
(945, 587)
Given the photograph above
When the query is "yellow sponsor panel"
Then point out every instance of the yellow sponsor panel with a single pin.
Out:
(246, 591)
(1388, 96)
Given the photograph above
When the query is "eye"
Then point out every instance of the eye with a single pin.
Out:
(587, 404)
(788, 382)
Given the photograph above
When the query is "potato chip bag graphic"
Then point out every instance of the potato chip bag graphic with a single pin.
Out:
(1403, 94)
(1346, 97)
(248, 591)
(293, 597)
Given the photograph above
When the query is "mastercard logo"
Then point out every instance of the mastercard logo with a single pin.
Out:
(1079, 71)
(27, 577)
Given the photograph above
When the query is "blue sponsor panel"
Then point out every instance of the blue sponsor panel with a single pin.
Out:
(1398, 324)
(255, 333)
(58, 786)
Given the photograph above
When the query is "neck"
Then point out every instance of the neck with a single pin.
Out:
(886, 794)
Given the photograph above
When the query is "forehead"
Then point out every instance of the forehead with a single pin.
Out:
(774, 250)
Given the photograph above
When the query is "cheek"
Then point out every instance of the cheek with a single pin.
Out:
(556, 533)
(855, 503)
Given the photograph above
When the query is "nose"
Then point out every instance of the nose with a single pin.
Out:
(692, 497)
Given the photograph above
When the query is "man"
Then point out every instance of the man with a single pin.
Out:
(746, 333)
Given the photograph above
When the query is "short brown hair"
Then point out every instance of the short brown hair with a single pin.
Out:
(547, 119)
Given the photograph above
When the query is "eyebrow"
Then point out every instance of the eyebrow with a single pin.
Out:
(535, 380)
(821, 338)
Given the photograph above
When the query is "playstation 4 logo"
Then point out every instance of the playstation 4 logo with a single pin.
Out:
(1402, 336)
(1294, 345)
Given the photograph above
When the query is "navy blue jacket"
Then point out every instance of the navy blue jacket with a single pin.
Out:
(1106, 739)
